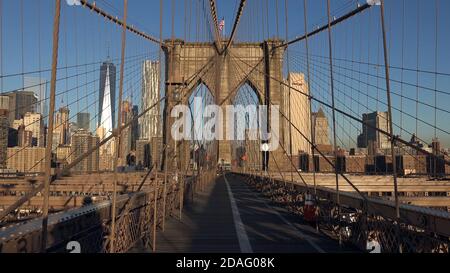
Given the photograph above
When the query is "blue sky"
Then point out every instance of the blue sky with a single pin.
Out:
(87, 39)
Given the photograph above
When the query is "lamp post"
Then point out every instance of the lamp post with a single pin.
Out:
(265, 148)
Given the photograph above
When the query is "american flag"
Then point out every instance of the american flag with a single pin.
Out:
(222, 25)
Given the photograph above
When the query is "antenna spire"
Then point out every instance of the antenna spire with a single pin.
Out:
(107, 47)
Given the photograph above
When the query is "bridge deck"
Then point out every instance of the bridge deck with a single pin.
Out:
(228, 217)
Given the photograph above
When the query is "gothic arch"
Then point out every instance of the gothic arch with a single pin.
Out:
(256, 91)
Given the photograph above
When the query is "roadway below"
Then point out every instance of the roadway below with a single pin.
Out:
(229, 217)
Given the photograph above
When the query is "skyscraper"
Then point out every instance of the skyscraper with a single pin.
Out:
(20, 103)
(83, 121)
(127, 112)
(4, 104)
(34, 122)
(107, 151)
(149, 123)
(25, 137)
(320, 123)
(107, 97)
(134, 128)
(63, 155)
(39, 87)
(143, 153)
(83, 141)
(127, 115)
(370, 136)
(61, 131)
(27, 160)
(299, 112)
(4, 125)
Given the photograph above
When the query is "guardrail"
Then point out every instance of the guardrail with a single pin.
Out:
(89, 226)
(363, 222)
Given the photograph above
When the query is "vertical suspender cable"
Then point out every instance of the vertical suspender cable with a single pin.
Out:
(330, 48)
(388, 94)
(277, 18)
(22, 44)
(42, 95)
(290, 90)
(48, 151)
(262, 21)
(156, 191)
(171, 71)
(417, 68)
(267, 19)
(119, 128)
(312, 120)
(436, 151)
(75, 25)
(403, 65)
(1, 45)
(436, 66)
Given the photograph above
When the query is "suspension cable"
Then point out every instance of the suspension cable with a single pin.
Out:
(325, 27)
(117, 21)
(235, 25)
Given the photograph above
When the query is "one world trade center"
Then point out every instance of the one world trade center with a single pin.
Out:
(107, 95)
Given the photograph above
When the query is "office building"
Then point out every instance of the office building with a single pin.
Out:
(4, 104)
(20, 103)
(73, 127)
(125, 140)
(83, 121)
(321, 129)
(34, 122)
(298, 109)
(25, 137)
(61, 131)
(4, 129)
(83, 141)
(143, 153)
(134, 128)
(39, 87)
(107, 151)
(150, 122)
(372, 138)
(26, 160)
(13, 137)
(63, 155)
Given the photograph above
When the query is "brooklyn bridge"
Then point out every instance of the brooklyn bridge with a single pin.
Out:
(308, 126)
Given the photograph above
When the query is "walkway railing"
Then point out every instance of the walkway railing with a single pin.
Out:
(364, 222)
(139, 216)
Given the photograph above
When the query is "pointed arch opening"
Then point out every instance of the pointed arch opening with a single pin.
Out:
(202, 150)
(247, 143)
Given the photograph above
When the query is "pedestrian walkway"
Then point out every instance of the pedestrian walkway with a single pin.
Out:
(229, 217)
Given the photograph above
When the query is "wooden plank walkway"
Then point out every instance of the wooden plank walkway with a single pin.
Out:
(228, 217)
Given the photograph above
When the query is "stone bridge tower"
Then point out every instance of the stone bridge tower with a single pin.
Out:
(190, 64)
